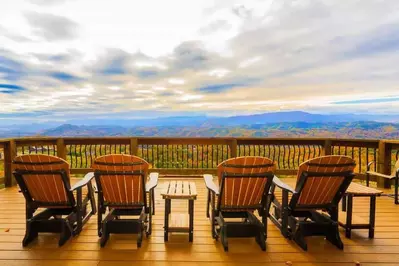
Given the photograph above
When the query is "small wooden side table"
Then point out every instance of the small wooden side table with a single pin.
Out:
(179, 190)
(358, 190)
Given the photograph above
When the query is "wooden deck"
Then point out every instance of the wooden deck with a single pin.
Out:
(121, 250)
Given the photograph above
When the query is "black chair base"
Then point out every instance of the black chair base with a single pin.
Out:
(250, 226)
(51, 221)
(308, 228)
(113, 224)
(309, 223)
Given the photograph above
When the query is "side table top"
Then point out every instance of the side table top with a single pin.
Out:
(179, 190)
(359, 189)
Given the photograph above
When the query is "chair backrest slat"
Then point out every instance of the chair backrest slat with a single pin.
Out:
(243, 181)
(42, 176)
(320, 179)
(121, 179)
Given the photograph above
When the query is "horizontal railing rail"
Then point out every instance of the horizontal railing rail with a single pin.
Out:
(174, 155)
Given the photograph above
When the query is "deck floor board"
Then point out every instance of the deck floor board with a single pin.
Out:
(121, 249)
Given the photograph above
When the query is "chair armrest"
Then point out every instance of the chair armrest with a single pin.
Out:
(83, 182)
(369, 165)
(210, 184)
(152, 183)
(282, 185)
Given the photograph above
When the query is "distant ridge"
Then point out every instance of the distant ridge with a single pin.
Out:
(151, 127)
(362, 129)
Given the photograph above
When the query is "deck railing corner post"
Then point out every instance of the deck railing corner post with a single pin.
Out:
(134, 146)
(384, 163)
(327, 148)
(233, 148)
(10, 151)
(61, 148)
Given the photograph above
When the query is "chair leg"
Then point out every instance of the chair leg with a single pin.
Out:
(213, 219)
(149, 225)
(153, 202)
(396, 188)
(99, 220)
(208, 202)
(30, 234)
(104, 234)
(223, 237)
(66, 234)
(299, 238)
(92, 199)
(261, 240)
(334, 238)
(140, 235)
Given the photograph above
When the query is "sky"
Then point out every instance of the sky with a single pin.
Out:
(64, 59)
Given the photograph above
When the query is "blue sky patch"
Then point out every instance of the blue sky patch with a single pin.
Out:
(218, 87)
(380, 100)
(10, 88)
(11, 69)
(62, 76)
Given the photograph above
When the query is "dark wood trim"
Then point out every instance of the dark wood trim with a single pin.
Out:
(10, 151)
(233, 148)
(384, 163)
(133, 146)
(327, 147)
(61, 149)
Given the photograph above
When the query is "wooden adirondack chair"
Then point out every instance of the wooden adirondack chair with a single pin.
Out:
(244, 183)
(44, 182)
(321, 183)
(122, 188)
(393, 176)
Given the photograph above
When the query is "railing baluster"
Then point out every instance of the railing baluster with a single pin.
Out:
(360, 159)
(81, 157)
(278, 156)
(284, 159)
(289, 156)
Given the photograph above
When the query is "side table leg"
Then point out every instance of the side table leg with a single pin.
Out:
(344, 203)
(166, 227)
(372, 216)
(348, 227)
(191, 225)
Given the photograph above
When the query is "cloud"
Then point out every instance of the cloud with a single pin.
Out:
(48, 2)
(215, 26)
(52, 27)
(382, 39)
(10, 89)
(10, 69)
(223, 57)
(191, 55)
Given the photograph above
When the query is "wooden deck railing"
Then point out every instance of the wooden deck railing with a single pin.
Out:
(200, 155)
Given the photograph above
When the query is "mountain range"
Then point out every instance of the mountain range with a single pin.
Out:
(266, 124)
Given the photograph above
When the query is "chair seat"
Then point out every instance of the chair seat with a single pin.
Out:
(379, 174)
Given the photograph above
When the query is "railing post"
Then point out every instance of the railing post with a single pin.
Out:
(10, 151)
(327, 147)
(384, 163)
(233, 148)
(61, 149)
(134, 146)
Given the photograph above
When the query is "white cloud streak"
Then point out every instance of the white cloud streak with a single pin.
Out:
(216, 57)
